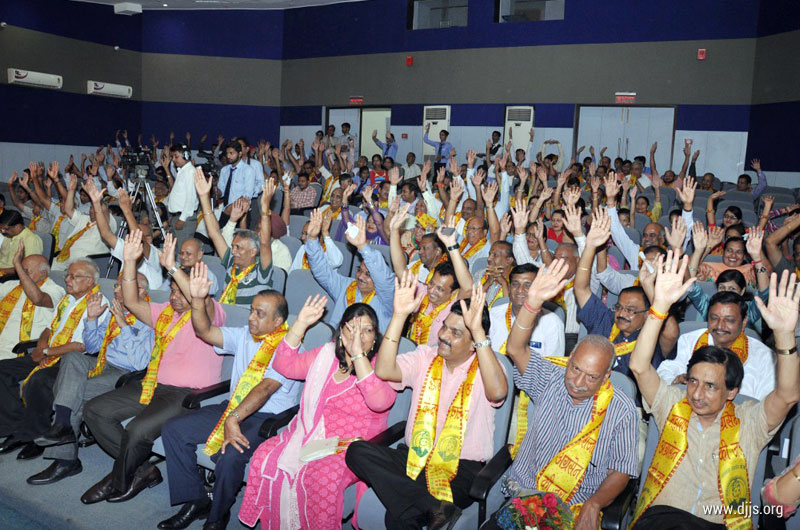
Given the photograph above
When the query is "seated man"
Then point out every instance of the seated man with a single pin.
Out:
(332, 253)
(578, 392)
(84, 237)
(431, 254)
(28, 303)
(429, 484)
(343, 290)
(189, 254)
(727, 320)
(13, 228)
(473, 246)
(24, 420)
(257, 393)
(684, 487)
(122, 344)
(494, 280)
(249, 259)
(302, 195)
(180, 362)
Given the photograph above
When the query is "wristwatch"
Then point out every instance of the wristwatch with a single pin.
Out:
(235, 414)
(452, 247)
(172, 270)
(787, 352)
(47, 350)
(481, 344)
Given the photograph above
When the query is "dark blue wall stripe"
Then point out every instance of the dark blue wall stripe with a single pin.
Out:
(301, 115)
(713, 117)
(77, 20)
(772, 136)
(778, 16)
(37, 115)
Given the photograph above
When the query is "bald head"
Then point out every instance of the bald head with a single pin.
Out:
(589, 367)
(653, 235)
(190, 253)
(36, 266)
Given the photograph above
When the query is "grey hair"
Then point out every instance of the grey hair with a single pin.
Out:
(92, 265)
(601, 343)
(143, 282)
(45, 267)
(251, 235)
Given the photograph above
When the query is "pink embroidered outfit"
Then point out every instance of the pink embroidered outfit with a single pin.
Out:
(288, 494)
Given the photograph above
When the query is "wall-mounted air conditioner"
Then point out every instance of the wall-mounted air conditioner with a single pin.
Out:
(35, 79)
(520, 121)
(108, 89)
(438, 117)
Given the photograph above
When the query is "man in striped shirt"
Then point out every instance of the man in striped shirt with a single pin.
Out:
(563, 402)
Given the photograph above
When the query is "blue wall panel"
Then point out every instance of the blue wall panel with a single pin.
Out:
(773, 137)
(37, 115)
(301, 115)
(713, 117)
(778, 16)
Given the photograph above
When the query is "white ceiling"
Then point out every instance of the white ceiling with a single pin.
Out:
(219, 4)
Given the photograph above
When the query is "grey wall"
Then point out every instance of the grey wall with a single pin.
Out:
(776, 77)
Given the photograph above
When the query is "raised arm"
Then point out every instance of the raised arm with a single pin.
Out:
(488, 193)
(599, 233)
(38, 297)
(669, 288)
(494, 379)
(399, 261)
(406, 302)
(131, 253)
(69, 202)
(776, 238)
(711, 207)
(623, 241)
(459, 263)
(203, 187)
(781, 317)
(265, 229)
(199, 285)
(96, 196)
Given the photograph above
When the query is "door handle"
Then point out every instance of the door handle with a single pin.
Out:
(626, 147)
(619, 146)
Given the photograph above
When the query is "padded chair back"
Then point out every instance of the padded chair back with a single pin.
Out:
(552, 245)
(48, 242)
(318, 188)
(296, 223)
(624, 384)
(554, 308)
(279, 279)
(107, 287)
(642, 220)
(214, 264)
(479, 265)
(617, 253)
(347, 257)
(159, 296)
(299, 286)
(58, 277)
(235, 315)
(293, 243)
(317, 335)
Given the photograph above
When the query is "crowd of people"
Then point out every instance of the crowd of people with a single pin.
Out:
(565, 268)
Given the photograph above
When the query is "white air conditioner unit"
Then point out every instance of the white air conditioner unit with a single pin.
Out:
(127, 8)
(519, 120)
(36, 79)
(108, 89)
(438, 117)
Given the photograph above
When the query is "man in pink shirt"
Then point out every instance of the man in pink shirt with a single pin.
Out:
(180, 362)
(461, 370)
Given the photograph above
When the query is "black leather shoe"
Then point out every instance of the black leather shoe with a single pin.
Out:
(58, 470)
(30, 451)
(56, 435)
(188, 513)
(218, 525)
(100, 491)
(10, 445)
(444, 517)
(149, 479)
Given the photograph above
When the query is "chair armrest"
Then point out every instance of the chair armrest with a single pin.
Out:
(193, 399)
(8, 277)
(390, 435)
(271, 425)
(130, 376)
(614, 513)
(24, 346)
(489, 474)
(100, 255)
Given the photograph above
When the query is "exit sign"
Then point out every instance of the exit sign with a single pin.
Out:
(356, 100)
(625, 98)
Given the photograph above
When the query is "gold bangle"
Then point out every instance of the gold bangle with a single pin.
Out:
(657, 314)
(583, 268)
(390, 339)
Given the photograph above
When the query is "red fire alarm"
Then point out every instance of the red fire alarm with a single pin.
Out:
(701, 54)
(409, 60)
(404, 136)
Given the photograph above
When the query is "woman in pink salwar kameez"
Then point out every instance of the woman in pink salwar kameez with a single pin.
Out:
(342, 397)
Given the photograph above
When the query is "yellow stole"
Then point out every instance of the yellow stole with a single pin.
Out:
(229, 294)
(327, 189)
(732, 481)
(251, 377)
(383, 205)
(473, 249)
(564, 474)
(335, 214)
(163, 338)
(306, 265)
(441, 458)
(417, 265)
(32, 224)
(421, 328)
(56, 231)
(7, 305)
(560, 298)
(350, 295)
(63, 255)
(623, 348)
(524, 399)
(65, 335)
(112, 331)
(499, 293)
(740, 346)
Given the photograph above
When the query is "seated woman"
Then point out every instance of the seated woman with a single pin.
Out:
(729, 280)
(342, 398)
(735, 252)
(732, 215)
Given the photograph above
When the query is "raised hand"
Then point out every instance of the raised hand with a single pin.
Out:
(394, 176)
(52, 171)
(166, 257)
(600, 230)
(19, 254)
(754, 241)
(348, 191)
(426, 170)
(73, 182)
(572, 220)
(489, 193)
(756, 165)
(356, 346)
(768, 201)
(311, 311)
(406, 301)
(366, 194)
(715, 236)
(612, 187)
(545, 195)
(448, 239)
(519, 216)
(199, 284)
(505, 226)
(201, 184)
(571, 196)
(360, 239)
(398, 219)
(548, 283)
(240, 207)
(477, 178)
(453, 166)
(456, 189)
(696, 155)
(655, 180)
(95, 195)
(784, 302)
(632, 194)
(95, 306)
(686, 193)
(594, 181)
(118, 312)
(717, 194)
(471, 155)
(669, 286)
(677, 235)
(315, 224)
(12, 178)
(473, 316)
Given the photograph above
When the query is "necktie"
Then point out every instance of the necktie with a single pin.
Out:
(439, 151)
(227, 194)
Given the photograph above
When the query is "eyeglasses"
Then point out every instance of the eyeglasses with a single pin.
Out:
(629, 310)
(730, 216)
(70, 276)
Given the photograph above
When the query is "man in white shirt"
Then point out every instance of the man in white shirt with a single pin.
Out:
(182, 202)
(727, 319)
(24, 420)
(84, 238)
(410, 169)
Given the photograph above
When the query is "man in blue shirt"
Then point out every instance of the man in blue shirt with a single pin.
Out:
(387, 149)
(237, 179)
(241, 421)
(442, 147)
(83, 377)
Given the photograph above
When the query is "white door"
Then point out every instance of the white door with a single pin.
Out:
(374, 120)
(352, 116)
(628, 131)
(601, 127)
